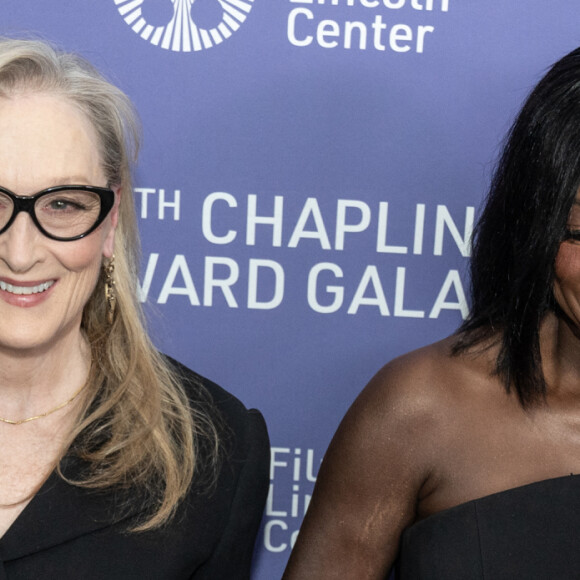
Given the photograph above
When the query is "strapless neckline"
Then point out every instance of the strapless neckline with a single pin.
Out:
(529, 532)
(542, 482)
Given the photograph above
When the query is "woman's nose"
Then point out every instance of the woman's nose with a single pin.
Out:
(20, 244)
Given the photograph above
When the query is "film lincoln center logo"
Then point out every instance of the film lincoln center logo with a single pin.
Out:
(184, 25)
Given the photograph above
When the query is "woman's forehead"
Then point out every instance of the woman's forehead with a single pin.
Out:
(44, 138)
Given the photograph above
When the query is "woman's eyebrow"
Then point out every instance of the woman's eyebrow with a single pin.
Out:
(69, 180)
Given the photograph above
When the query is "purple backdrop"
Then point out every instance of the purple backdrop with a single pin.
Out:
(307, 185)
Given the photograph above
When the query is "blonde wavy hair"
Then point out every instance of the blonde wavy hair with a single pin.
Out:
(137, 428)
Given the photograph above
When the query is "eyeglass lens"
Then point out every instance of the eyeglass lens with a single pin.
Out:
(61, 213)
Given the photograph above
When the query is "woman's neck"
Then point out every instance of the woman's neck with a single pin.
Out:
(32, 383)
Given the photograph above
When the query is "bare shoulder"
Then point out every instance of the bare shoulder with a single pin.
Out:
(379, 465)
(398, 420)
(423, 386)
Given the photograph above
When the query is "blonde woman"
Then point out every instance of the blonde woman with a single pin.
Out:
(116, 462)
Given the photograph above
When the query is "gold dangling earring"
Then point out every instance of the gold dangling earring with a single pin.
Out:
(110, 293)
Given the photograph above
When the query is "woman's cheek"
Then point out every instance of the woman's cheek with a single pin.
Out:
(567, 276)
(567, 266)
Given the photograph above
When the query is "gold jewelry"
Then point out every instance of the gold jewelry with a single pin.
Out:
(110, 293)
(20, 421)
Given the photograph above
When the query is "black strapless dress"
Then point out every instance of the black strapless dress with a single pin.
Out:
(530, 532)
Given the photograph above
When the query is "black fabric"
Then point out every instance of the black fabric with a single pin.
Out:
(70, 533)
(529, 532)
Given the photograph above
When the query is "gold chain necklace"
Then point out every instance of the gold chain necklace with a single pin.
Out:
(67, 402)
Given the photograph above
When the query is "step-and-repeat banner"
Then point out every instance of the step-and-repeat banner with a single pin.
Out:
(308, 184)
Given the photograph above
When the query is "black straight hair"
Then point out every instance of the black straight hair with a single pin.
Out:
(521, 228)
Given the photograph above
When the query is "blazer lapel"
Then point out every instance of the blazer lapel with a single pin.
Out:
(60, 512)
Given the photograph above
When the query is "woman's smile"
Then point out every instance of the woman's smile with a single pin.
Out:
(26, 288)
(25, 294)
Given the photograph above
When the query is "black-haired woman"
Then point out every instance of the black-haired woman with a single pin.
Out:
(459, 460)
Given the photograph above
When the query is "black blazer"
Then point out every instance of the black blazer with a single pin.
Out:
(68, 533)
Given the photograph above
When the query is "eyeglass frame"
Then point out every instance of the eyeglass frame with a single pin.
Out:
(26, 203)
(573, 235)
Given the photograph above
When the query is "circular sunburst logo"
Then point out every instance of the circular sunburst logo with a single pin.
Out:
(193, 24)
